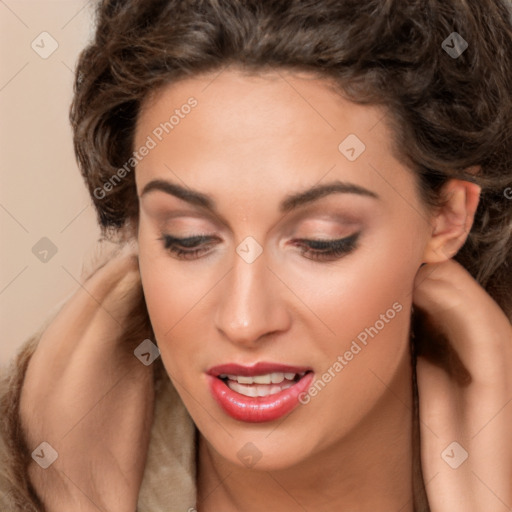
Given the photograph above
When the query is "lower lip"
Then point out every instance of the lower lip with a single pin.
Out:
(262, 408)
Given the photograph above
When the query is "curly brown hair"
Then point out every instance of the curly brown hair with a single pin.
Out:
(450, 114)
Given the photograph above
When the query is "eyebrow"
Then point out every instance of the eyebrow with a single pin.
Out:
(291, 202)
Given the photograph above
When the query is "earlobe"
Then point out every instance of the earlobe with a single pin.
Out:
(452, 220)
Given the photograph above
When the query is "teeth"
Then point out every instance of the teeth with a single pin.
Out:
(255, 391)
(261, 385)
(262, 379)
(241, 379)
(268, 378)
(277, 377)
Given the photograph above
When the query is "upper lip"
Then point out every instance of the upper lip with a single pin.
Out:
(260, 368)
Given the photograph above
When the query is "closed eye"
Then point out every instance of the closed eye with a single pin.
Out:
(327, 250)
(193, 247)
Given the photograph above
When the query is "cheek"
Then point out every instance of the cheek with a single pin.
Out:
(365, 302)
(358, 298)
(367, 307)
(177, 296)
(169, 295)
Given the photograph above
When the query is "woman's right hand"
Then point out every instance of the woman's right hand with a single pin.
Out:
(88, 396)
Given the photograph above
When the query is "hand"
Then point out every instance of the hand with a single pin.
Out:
(88, 396)
(477, 415)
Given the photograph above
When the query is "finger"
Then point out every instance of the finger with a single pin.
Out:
(474, 324)
(117, 277)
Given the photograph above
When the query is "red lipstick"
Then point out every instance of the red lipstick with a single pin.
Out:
(230, 384)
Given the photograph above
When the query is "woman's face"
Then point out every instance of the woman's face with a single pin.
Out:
(262, 167)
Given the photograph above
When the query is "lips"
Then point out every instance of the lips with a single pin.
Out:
(258, 393)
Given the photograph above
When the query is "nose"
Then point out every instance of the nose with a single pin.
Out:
(251, 304)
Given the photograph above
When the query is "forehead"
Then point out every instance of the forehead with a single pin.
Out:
(233, 104)
(276, 129)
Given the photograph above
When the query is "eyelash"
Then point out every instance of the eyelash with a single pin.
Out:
(316, 250)
(172, 244)
(327, 250)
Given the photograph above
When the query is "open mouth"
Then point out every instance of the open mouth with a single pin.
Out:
(258, 393)
(261, 385)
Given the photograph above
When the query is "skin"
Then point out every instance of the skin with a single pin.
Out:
(477, 416)
(250, 142)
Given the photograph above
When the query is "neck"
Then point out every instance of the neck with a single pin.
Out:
(368, 470)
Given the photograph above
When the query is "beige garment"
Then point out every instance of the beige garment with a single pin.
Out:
(105, 435)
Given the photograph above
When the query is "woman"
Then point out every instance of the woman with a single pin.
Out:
(311, 309)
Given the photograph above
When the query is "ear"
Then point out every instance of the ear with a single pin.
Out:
(452, 220)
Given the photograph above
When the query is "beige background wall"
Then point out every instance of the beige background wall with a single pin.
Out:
(42, 194)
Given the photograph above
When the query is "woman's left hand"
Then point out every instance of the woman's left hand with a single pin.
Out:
(466, 429)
